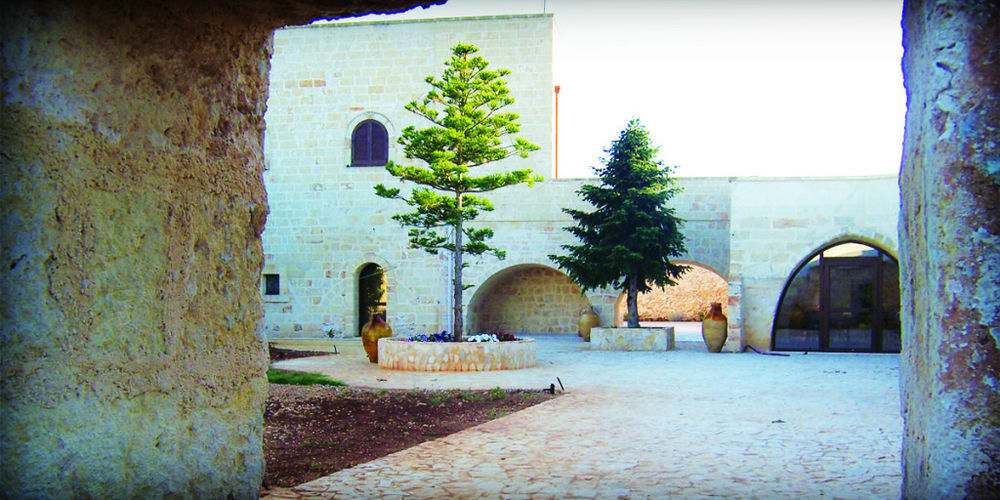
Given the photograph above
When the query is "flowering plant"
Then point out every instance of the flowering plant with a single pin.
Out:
(492, 337)
(444, 336)
(505, 337)
(482, 337)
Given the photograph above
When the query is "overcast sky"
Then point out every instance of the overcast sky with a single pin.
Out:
(726, 88)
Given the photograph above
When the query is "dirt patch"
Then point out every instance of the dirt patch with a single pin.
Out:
(313, 431)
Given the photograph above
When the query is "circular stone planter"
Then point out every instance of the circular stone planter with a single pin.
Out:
(396, 354)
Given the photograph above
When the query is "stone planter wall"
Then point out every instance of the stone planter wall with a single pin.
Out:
(396, 354)
(632, 339)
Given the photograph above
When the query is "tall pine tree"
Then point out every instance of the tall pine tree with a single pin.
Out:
(465, 107)
(627, 241)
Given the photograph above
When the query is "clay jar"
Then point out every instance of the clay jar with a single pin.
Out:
(714, 328)
(588, 320)
(374, 329)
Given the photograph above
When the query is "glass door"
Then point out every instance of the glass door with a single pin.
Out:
(850, 314)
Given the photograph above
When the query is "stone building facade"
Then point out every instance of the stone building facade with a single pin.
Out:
(326, 224)
(84, 417)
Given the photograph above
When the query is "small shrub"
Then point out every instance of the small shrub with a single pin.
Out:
(298, 378)
(438, 399)
(493, 413)
(472, 396)
(496, 394)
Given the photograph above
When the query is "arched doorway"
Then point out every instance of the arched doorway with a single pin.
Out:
(371, 293)
(845, 297)
(687, 301)
(529, 298)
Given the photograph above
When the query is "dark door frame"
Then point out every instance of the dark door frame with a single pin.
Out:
(828, 264)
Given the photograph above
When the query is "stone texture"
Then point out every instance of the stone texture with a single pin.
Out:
(132, 207)
(950, 242)
(687, 301)
(528, 299)
(632, 339)
(679, 424)
(779, 223)
(396, 354)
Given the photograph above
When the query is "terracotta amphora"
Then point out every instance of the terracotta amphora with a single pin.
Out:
(714, 328)
(588, 320)
(374, 329)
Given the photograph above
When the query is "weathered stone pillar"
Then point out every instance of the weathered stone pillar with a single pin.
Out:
(950, 246)
(734, 339)
(132, 206)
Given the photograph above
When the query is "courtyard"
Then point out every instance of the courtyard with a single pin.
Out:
(682, 423)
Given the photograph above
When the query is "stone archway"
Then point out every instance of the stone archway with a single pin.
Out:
(682, 302)
(528, 298)
(843, 297)
(372, 297)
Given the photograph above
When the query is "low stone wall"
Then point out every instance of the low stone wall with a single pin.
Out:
(396, 354)
(632, 339)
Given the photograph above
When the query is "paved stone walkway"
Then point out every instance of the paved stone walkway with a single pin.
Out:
(683, 423)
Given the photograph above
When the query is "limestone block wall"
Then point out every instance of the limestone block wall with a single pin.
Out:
(528, 223)
(527, 299)
(950, 267)
(778, 223)
(326, 222)
(705, 205)
(132, 205)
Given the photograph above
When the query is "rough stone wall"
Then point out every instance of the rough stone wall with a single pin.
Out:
(778, 223)
(950, 240)
(132, 205)
(528, 299)
(687, 301)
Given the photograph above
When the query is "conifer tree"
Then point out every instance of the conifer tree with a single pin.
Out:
(627, 241)
(466, 109)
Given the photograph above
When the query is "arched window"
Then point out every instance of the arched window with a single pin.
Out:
(369, 145)
(845, 298)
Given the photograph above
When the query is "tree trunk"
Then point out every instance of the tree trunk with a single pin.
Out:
(632, 299)
(456, 260)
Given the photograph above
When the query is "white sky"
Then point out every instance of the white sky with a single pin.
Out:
(725, 87)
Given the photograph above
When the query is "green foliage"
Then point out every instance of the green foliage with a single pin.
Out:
(465, 107)
(372, 288)
(309, 443)
(471, 396)
(627, 241)
(497, 394)
(298, 378)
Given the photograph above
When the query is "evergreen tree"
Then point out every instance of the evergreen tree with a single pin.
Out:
(465, 107)
(628, 240)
